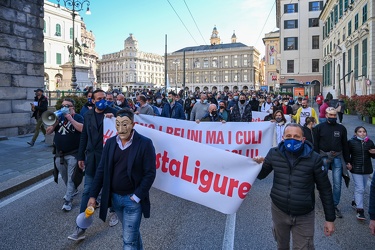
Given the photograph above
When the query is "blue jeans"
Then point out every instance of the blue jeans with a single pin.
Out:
(336, 166)
(360, 183)
(129, 213)
(86, 192)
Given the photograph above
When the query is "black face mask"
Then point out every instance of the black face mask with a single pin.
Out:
(222, 107)
(213, 113)
(332, 120)
(242, 101)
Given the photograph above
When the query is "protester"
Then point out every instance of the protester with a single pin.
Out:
(269, 117)
(212, 115)
(281, 123)
(285, 107)
(125, 175)
(322, 111)
(292, 192)
(88, 105)
(361, 149)
(340, 108)
(156, 110)
(223, 110)
(241, 111)
(331, 142)
(303, 112)
(38, 107)
(233, 101)
(308, 129)
(319, 99)
(371, 209)
(266, 105)
(200, 108)
(254, 103)
(297, 105)
(329, 96)
(144, 108)
(173, 109)
(90, 150)
(67, 130)
(188, 106)
(121, 102)
(211, 99)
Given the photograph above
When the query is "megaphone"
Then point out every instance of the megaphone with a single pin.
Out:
(85, 219)
(49, 118)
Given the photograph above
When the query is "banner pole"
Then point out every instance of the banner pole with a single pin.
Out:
(230, 227)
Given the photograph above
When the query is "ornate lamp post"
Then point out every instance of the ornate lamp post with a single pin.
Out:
(75, 6)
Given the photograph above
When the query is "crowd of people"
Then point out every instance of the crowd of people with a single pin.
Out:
(304, 151)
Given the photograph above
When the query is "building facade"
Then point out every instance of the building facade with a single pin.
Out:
(271, 42)
(348, 47)
(58, 38)
(300, 44)
(131, 69)
(222, 67)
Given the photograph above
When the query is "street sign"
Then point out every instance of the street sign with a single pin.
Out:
(308, 83)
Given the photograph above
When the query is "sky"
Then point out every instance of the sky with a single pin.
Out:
(150, 20)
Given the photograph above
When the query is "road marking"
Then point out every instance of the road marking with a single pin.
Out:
(26, 192)
(230, 228)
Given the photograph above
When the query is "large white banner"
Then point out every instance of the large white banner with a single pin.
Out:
(200, 173)
(245, 138)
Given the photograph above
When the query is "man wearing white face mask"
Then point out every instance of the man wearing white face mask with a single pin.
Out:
(200, 108)
(121, 102)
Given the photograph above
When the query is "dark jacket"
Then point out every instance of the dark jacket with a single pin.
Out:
(177, 112)
(209, 118)
(141, 170)
(91, 141)
(294, 185)
(254, 103)
(309, 134)
(235, 115)
(42, 106)
(371, 205)
(360, 157)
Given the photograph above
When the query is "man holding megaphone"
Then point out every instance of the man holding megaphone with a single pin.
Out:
(67, 127)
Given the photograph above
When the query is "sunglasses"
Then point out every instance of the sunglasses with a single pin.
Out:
(67, 106)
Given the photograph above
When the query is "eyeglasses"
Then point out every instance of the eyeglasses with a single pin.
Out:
(67, 106)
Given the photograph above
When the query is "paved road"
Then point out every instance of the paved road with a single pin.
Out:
(35, 220)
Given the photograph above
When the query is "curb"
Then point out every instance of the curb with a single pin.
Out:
(24, 180)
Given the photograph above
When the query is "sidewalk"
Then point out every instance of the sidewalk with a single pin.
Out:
(22, 165)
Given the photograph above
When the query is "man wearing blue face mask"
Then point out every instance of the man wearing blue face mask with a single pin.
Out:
(91, 147)
(297, 170)
(331, 143)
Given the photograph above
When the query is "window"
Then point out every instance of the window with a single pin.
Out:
(340, 8)
(205, 63)
(45, 56)
(316, 6)
(356, 61)
(315, 42)
(349, 60)
(346, 4)
(290, 43)
(71, 33)
(356, 21)
(291, 8)
(58, 58)
(290, 66)
(364, 57)
(290, 24)
(315, 65)
(364, 14)
(44, 27)
(58, 30)
(349, 28)
(336, 13)
(272, 60)
(313, 22)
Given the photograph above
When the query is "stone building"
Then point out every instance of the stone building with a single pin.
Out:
(218, 66)
(271, 43)
(131, 69)
(348, 43)
(58, 38)
(300, 45)
(21, 63)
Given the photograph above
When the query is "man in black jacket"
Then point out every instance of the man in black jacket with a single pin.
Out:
(38, 107)
(297, 169)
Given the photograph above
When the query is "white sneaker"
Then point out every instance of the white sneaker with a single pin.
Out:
(67, 206)
(78, 234)
(113, 219)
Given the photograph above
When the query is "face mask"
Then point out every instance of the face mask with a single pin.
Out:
(279, 119)
(118, 102)
(170, 100)
(254, 99)
(293, 145)
(332, 120)
(192, 101)
(235, 98)
(65, 110)
(204, 101)
(89, 99)
(242, 101)
(360, 138)
(101, 105)
(109, 103)
(222, 107)
(229, 99)
(270, 111)
(285, 103)
(214, 112)
(158, 101)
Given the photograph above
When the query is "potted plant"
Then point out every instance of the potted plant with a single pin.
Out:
(371, 111)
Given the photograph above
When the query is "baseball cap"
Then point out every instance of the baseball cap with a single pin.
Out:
(39, 89)
(331, 110)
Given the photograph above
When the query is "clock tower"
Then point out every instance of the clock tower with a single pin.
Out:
(215, 39)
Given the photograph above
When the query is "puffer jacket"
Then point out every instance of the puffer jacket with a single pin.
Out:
(360, 157)
(294, 184)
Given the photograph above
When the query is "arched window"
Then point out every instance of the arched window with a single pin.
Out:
(58, 30)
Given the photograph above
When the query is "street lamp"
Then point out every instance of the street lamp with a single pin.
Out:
(75, 6)
(176, 62)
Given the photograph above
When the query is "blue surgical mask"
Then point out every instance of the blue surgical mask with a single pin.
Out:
(204, 101)
(293, 145)
(101, 105)
(109, 103)
(360, 138)
(89, 100)
(235, 97)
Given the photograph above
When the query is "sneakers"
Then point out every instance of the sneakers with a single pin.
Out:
(354, 205)
(338, 213)
(75, 193)
(67, 206)
(31, 143)
(360, 214)
(78, 234)
(113, 219)
(97, 204)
